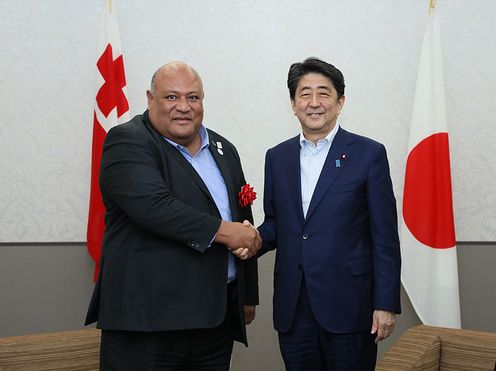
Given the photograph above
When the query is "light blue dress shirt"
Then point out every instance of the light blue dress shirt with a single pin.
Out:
(206, 167)
(312, 158)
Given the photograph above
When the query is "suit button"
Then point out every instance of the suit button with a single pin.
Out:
(305, 236)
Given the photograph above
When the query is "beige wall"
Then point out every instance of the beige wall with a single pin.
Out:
(47, 287)
(243, 51)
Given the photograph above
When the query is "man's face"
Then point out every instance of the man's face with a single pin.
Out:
(176, 105)
(316, 105)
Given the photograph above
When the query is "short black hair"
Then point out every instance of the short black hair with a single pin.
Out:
(316, 65)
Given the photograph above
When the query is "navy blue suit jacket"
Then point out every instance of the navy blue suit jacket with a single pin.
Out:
(347, 247)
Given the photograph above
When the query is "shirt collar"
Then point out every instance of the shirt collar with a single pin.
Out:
(203, 136)
(328, 138)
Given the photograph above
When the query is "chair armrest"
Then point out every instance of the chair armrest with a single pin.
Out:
(415, 350)
(466, 349)
(68, 350)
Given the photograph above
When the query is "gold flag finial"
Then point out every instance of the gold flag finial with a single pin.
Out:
(110, 5)
(432, 4)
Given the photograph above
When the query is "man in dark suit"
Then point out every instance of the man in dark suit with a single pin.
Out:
(173, 291)
(331, 214)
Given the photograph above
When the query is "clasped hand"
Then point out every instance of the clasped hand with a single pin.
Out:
(242, 239)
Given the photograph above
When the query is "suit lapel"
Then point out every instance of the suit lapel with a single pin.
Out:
(294, 175)
(223, 164)
(333, 166)
(187, 167)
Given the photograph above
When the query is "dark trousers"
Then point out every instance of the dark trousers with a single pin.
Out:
(180, 350)
(306, 346)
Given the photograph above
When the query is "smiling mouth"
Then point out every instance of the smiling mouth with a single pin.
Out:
(181, 119)
(315, 115)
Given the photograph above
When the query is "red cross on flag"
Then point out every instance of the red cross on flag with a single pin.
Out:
(111, 108)
(428, 246)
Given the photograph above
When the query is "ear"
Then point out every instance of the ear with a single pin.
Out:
(149, 97)
(293, 106)
(341, 103)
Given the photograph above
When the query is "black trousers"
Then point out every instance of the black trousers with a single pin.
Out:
(179, 350)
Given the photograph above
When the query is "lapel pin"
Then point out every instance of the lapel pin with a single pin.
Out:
(343, 156)
(338, 163)
(218, 145)
(219, 148)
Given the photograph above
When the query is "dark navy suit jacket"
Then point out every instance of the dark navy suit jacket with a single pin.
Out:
(347, 247)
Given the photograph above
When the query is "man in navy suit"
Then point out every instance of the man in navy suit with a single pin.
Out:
(330, 213)
(174, 291)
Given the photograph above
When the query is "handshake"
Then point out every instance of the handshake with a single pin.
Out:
(242, 239)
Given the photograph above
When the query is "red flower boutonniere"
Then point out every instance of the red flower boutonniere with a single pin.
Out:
(246, 196)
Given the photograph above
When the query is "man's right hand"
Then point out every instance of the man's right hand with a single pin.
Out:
(241, 238)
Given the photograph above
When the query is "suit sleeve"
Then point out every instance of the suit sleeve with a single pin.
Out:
(268, 229)
(384, 234)
(131, 182)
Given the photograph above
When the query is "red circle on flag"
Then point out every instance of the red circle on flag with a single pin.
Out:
(427, 199)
